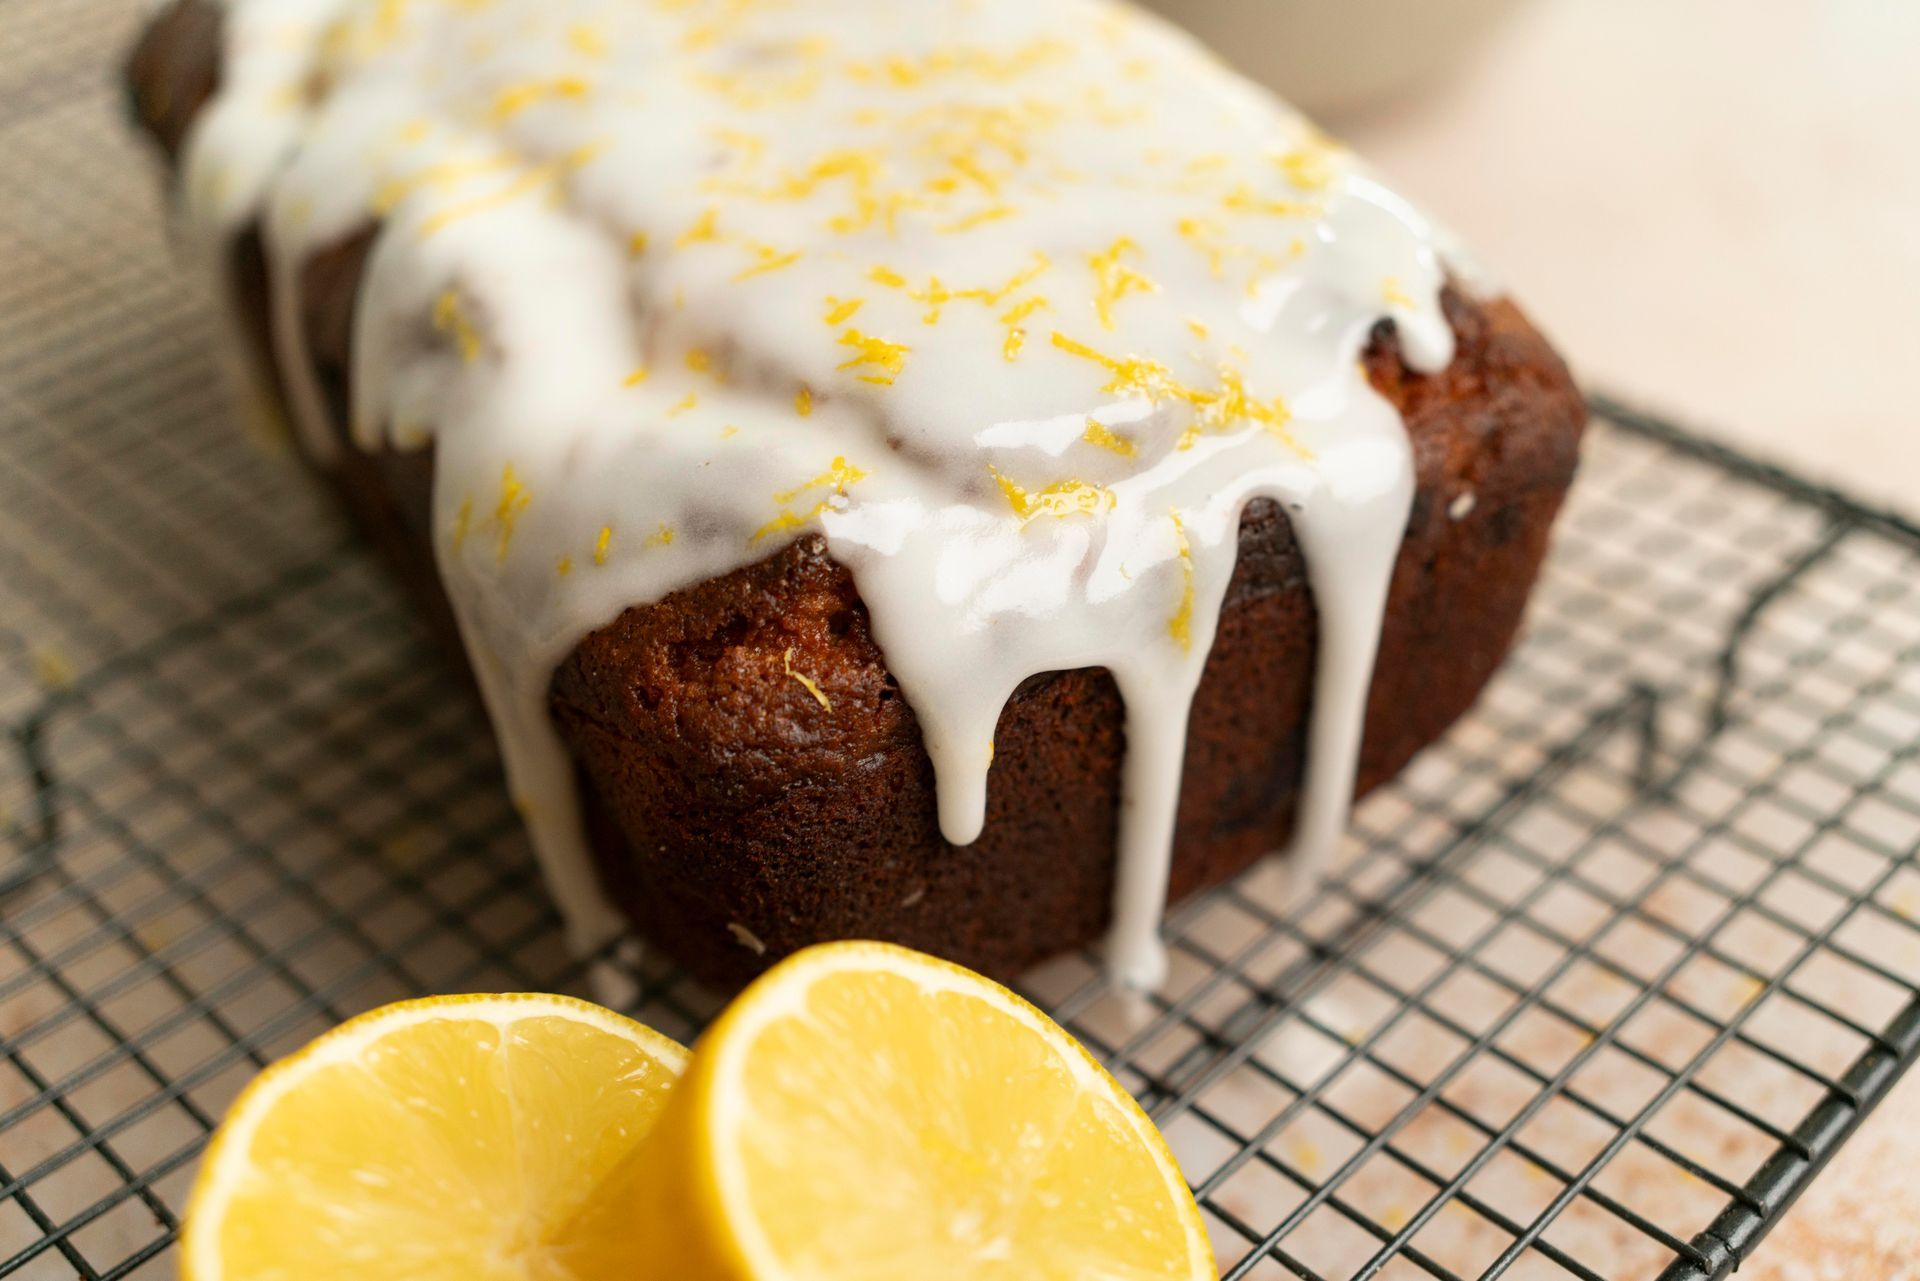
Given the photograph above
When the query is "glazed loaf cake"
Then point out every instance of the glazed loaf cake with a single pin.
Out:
(752, 773)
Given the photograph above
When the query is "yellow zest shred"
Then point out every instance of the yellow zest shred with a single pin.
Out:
(539, 178)
(461, 520)
(1062, 499)
(1244, 200)
(767, 259)
(661, 537)
(705, 228)
(819, 695)
(980, 219)
(564, 566)
(638, 376)
(837, 477)
(637, 243)
(686, 402)
(1180, 626)
(448, 318)
(390, 193)
(1310, 168)
(803, 402)
(783, 521)
(601, 544)
(1098, 433)
(1393, 294)
(514, 499)
(840, 310)
(1218, 409)
(1114, 279)
(1021, 310)
(890, 357)
(514, 99)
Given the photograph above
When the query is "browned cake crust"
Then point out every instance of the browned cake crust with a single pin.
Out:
(735, 819)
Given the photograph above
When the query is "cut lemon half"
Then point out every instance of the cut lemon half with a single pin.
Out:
(866, 1113)
(455, 1137)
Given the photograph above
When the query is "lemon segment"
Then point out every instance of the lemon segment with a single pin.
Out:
(450, 1137)
(864, 1112)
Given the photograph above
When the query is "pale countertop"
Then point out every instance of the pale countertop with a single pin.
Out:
(1714, 207)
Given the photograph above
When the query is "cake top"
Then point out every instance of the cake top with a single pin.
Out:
(1017, 302)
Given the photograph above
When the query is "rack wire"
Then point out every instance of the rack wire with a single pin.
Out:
(1600, 983)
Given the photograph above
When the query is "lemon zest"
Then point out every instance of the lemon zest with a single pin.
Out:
(1180, 626)
(891, 357)
(514, 99)
(840, 310)
(819, 695)
(1098, 433)
(514, 499)
(462, 519)
(448, 318)
(1115, 280)
(1061, 499)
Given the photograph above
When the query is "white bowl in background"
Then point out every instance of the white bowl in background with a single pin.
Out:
(1333, 56)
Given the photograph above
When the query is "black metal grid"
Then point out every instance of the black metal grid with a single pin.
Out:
(1599, 985)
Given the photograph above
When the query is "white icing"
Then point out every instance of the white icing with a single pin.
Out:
(945, 162)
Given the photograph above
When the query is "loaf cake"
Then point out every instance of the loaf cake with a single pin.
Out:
(940, 472)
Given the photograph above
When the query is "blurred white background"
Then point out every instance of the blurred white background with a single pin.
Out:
(1712, 205)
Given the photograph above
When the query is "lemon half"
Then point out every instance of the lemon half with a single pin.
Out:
(867, 1113)
(455, 1137)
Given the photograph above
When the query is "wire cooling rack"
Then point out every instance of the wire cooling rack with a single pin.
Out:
(1601, 982)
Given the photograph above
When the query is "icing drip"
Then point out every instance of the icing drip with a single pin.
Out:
(1017, 302)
